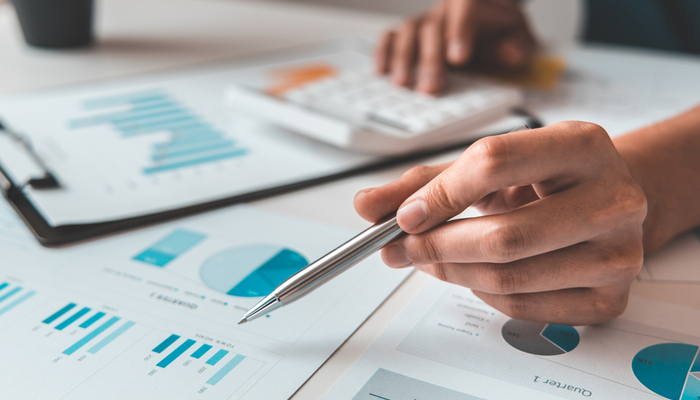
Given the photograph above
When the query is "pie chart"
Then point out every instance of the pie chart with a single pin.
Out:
(540, 338)
(671, 370)
(251, 271)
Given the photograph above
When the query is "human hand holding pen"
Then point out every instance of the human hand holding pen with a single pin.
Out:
(489, 33)
(561, 238)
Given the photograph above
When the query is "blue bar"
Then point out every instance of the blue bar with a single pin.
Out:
(121, 99)
(196, 161)
(163, 155)
(92, 320)
(59, 313)
(176, 353)
(161, 121)
(17, 302)
(201, 351)
(10, 293)
(82, 342)
(194, 130)
(146, 116)
(72, 319)
(216, 357)
(109, 117)
(225, 370)
(3, 285)
(170, 126)
(166, 343)
(173, 127)
(193, 140)
(104, 342)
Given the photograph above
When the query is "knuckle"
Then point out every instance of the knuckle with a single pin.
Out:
(419, 173)
(610, 306)
(507, 242)
(442, 199)
(503, 280)
(439, 271)
(492, 153)
(630, 200)
(429, 250)
(624, 261)
(516, 307)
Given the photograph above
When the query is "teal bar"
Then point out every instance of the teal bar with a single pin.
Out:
(195, 161)
(216, 357)
(122, 99)
(166, 343)
(72, 319)
(92, 320)
(169, 126)
(145, 116)
(59, 313)
(10, 293)
(176, 353)
(104, 342)
(201, 351)
(17, 302)
(226, 369)
(109, 117)
(190, 141)
(162, 121)
(3, 285)
(82, 342)
(189, 151)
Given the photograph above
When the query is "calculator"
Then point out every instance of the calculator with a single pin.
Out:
(363, 112)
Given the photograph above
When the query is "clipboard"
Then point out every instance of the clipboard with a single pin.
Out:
(14, 190)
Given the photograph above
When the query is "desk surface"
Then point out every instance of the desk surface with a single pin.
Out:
(137, 36)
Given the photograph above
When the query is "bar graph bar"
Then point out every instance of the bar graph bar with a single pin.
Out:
(216, 357)
(149, 112)
(166, 343)
(92, 320)
(10, 293)
(170, 247)
(82, 342)
(3, 285)
(176, 353)
(63, 325)
(59, 313)
(104, 342)
(201, 351)
(17, 302)
(219, 375)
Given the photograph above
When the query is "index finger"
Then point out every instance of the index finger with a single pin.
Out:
(561, 154)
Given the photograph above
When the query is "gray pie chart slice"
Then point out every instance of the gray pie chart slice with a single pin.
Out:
(525, 336)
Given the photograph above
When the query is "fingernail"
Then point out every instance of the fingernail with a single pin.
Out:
(412, 215)
(395, 256)
(456, 51)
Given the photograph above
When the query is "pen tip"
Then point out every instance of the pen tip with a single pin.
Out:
(242, 321)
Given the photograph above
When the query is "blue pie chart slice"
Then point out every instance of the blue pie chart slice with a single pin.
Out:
(251, 271)
(667, 369)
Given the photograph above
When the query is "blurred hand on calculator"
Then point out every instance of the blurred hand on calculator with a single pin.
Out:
(488, 33)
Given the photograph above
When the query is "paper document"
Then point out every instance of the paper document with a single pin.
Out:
(448, 344)
(149, 144)
(153, 314)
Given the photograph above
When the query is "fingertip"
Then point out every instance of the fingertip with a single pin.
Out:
(457, 52)
(395, 256)
(412, 215)
(513, 54)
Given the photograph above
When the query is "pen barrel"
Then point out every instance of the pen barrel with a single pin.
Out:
(339, 260)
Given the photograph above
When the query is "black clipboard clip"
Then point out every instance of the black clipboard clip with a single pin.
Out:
(46, 181)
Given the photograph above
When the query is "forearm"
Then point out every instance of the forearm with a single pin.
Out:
(664, 158)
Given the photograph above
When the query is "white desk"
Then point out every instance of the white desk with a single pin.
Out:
(147, 35)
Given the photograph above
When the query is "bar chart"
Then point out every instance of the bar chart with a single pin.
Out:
(12, 296)
(193, 141)
(174, 347)
(92, 324)
(170, 247)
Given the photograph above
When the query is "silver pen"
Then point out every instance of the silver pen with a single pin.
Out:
(332, 264)
(328, 267)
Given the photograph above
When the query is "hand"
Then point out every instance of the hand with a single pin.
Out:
(492, 33)
(561, 241)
